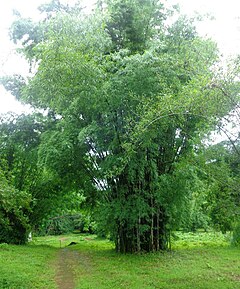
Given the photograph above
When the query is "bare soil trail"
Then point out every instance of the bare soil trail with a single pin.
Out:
(66, 265)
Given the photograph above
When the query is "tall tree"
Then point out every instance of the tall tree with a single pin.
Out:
(134, 97)
(222, 167)
(20, 141)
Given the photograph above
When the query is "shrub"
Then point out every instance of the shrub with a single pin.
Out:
(236, 236)
(67, 223)
(14, 209)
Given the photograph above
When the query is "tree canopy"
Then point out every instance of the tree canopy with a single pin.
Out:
(133, 97)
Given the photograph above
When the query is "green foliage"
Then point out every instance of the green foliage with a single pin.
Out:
(14, 84)
(132, 23)
(236, 235)
(222, 180)
(21, 150)
(183, 240)
(195, 213)
(81, 223)
(20, 137)
(14, 211)
(133, 99)
(59, 225)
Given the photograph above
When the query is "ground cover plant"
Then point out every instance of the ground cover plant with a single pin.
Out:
(197, 260)
(26, 267)
(191, 264)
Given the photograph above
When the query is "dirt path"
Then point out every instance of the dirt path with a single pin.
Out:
(66, 264)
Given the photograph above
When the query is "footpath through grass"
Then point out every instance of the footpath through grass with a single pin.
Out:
(200, 260)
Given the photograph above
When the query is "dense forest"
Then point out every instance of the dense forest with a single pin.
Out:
(125, 98)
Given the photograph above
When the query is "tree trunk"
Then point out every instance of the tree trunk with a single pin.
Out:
(131, 240)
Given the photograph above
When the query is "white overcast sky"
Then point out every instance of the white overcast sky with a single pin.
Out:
(225, 30)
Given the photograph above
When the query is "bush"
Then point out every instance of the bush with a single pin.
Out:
(236, 236)
(14, 209)
(66, 224)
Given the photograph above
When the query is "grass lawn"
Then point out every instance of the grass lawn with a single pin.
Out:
(26, 267)
(202, 260)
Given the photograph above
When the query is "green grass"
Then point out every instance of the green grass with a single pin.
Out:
(200, 239)
(201, 260)
(26, 267)
(208, 265)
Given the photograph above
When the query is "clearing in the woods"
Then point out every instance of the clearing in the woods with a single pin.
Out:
(202, 260)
